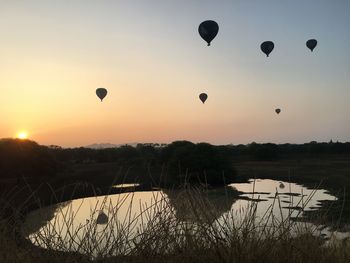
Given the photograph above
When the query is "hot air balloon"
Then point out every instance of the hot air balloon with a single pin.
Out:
(101, 93)
(278, 111)
(281, 185)
(203, 97)
(102, 218)
(311, 44)
(208, 30)
(267, 47)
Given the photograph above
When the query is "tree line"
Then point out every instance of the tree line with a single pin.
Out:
(180, 161)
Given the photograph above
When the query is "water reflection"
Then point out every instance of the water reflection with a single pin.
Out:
(75, 225)
(125, 185)
(294, 199)
(204, 205)
(36, 220)
(72, 225)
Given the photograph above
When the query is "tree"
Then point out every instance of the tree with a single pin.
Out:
(25, 158)
(200, 163)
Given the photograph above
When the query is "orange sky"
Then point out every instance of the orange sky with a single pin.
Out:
(154, 65)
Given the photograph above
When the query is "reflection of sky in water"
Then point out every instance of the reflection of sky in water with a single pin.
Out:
(292, 195)
(80, 215)
(125, 185)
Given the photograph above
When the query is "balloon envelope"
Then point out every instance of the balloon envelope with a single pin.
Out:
(278, 111)
(311, 44)
(208, 30)
(267, 47)
(203, 97)
(101, 93)
(102, 219)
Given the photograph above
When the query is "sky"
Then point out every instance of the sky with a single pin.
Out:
(150, 57)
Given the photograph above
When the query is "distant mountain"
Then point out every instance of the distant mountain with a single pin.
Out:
(108, 145)
(101, 146)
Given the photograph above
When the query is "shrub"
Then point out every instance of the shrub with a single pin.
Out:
(197, 163)
(25, 158)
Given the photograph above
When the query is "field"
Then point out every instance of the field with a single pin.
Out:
(240, 244)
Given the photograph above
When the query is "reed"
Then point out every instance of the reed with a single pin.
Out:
(159, 233)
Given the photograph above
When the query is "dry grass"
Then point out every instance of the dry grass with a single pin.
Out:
(158, 234)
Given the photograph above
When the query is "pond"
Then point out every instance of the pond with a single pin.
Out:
(89, 225)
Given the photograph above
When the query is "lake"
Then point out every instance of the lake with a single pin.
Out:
(77, 224)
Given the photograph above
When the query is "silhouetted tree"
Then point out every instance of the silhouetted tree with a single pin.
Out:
(25, 158)
(197, 163)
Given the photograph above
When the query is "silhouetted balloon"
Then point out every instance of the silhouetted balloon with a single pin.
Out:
(102, 218)
(282, 185)
(203, 97)
(208, 30)
(311, 44)
(267, 47)
(101, 93)
(278, 111)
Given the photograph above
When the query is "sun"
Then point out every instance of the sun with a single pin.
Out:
(22, 135)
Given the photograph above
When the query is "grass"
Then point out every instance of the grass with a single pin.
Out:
(156, 233)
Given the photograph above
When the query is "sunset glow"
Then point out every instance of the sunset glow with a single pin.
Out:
(154, 64)
(22, 135)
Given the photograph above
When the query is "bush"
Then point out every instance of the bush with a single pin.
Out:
(196, 163)
(25, 158)
(264, 152)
